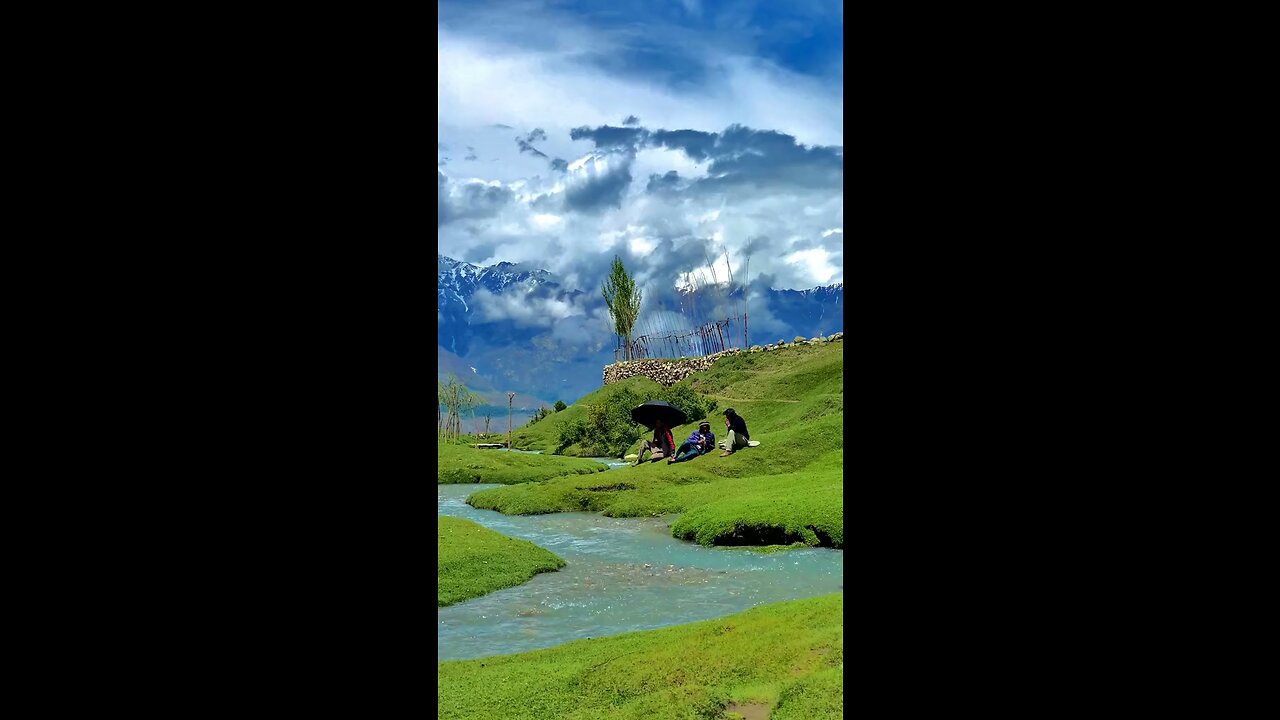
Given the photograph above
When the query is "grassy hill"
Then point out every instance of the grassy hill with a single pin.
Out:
(544, 435)
(790, 489)
(472, 561)
(783, 661)
(462, 464)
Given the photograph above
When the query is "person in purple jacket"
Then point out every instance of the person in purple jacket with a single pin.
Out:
(699, 443)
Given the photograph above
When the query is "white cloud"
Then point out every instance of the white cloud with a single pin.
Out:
(816, 263)
(483, 82)
(523, 309)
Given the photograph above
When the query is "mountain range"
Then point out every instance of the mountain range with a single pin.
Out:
(507, 327)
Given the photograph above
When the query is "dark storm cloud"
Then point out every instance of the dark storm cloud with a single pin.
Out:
(609, 137)
(601, 182)
(456, 201)
(662, 184)
(695, 143)
(763, 158)
(631, 120)
(478, 200)
(526, 143)
(768, 157)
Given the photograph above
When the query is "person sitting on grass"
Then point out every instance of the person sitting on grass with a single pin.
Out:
(737, 435)
(660, 445)
(699, 443)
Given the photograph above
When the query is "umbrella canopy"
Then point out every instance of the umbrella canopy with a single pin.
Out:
(649, 413)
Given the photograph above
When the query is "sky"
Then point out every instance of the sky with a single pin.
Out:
(665, 132)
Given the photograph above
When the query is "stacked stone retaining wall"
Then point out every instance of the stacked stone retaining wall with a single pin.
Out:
(669, 371)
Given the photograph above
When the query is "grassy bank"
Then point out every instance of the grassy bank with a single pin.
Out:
(474, 561)
(461, 464)
(790, 489)
(785, 658)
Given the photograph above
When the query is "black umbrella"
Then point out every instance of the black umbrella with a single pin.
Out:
(652, 411)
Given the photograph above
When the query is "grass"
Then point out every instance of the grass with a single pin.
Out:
(461, 464)
(786, 657)
(474, 561)
(788, 490)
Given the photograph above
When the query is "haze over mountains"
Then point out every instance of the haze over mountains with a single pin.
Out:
(510, 327)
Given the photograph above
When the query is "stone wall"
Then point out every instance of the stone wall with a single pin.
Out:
(665, 371)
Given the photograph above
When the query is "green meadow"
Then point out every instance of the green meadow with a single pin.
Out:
(473, 561)
(781, 661)
(462, 464)
(788, 490)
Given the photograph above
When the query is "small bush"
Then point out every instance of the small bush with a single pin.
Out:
(683, 396)
(560, 405)
(571, 433)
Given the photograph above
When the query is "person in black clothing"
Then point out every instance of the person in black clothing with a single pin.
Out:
(738, 435)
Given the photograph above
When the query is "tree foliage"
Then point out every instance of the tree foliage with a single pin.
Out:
(452, 399)
(609, 430)
(560, 405)
(622, 297)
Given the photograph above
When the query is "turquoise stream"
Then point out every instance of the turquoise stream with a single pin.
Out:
(622, 574)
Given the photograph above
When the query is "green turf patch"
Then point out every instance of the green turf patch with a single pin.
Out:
(473, 561)
(460, 464)
(819, 695)
(788, 656)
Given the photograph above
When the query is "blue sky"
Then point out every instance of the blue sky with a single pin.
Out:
(662, 131)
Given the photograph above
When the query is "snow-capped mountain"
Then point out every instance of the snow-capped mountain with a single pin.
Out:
(457, 283)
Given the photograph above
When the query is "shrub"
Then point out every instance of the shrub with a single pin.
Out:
(560, 405)
(571, 433)
(683, 396)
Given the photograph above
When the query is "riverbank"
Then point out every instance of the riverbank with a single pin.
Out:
(464, 464)
(786, 659)
(472, 561)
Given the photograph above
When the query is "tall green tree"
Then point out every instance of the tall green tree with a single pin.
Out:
(622, 297)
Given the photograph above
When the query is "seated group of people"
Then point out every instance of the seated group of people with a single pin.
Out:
(700, 442)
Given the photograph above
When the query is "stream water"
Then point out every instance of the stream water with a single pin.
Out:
(622, 574)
